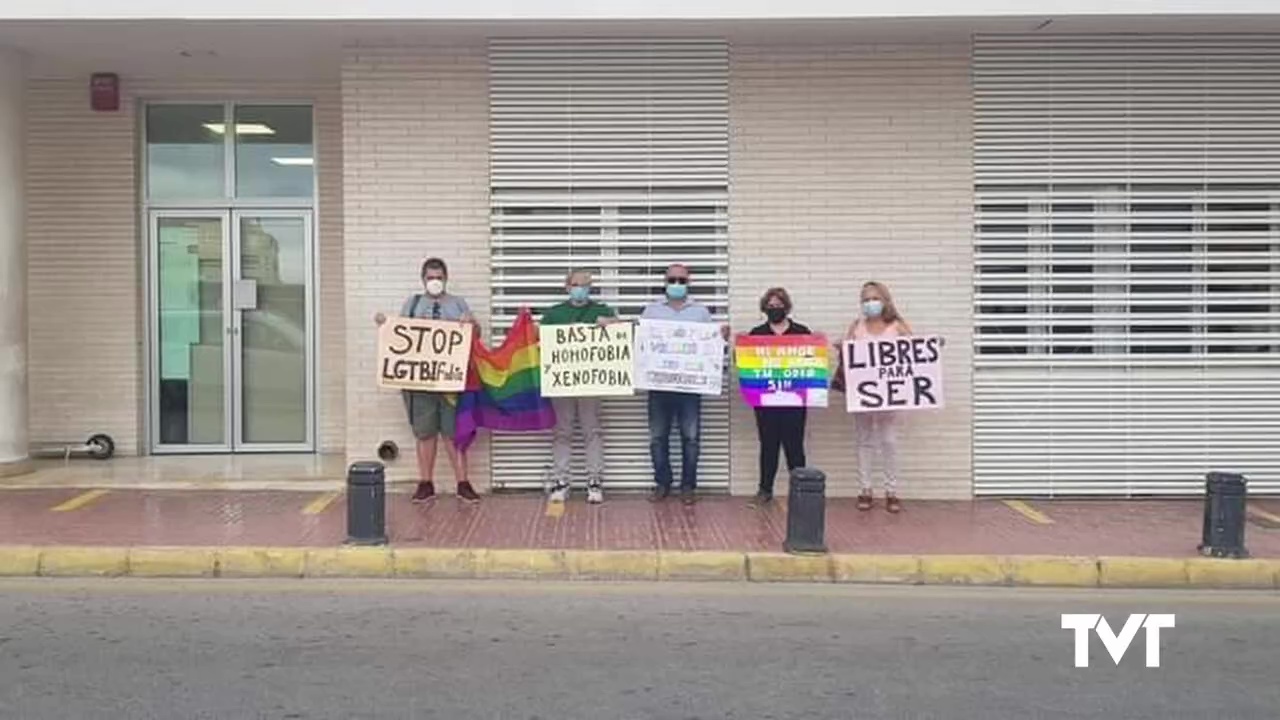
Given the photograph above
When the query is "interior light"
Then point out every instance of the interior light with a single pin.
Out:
(241, 129)
(293, 161)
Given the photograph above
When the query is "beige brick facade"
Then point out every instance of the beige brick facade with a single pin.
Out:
(85, 276)
(850, 163)
(416, 174)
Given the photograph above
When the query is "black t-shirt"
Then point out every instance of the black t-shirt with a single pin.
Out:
(794, 328)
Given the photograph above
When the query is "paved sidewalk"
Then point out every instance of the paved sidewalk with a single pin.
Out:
(1145, 528)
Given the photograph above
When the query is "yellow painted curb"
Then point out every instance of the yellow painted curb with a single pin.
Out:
(437, 562)
(705, 565)
(963, 570)
(173, 562)
(84, 561)
(1053, 571)
(524, 564)
(1222, 573)
(613, 565)
(900, 569)
(1142, 572)
(19, 561)
(349, 562)
(251, 562)
(643, 565)
(781, 567)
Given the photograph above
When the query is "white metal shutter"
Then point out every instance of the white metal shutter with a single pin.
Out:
(613, 156)
(1127, 283)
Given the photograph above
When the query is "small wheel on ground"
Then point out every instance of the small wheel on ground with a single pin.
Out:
(101, 446)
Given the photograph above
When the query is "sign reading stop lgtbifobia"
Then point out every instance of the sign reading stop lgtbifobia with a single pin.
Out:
(429, 355)
(581, 360)
(893, 373)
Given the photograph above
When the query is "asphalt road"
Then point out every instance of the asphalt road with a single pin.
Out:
(118, 649)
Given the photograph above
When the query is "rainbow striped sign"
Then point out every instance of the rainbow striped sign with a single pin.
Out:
(783, 370)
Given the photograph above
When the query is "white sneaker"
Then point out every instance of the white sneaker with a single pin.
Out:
(595, 494)
(559, 493)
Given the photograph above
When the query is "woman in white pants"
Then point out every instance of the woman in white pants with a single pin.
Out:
(877, 432)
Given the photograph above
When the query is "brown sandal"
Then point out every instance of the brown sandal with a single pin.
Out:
(864, 501)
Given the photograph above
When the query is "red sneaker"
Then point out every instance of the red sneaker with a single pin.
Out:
(467, 494)
(425, 493)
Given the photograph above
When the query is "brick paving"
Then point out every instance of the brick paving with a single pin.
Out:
(626, 522)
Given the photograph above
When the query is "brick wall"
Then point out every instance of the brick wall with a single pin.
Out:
(415, 131)
(851, 163)
(86, 371)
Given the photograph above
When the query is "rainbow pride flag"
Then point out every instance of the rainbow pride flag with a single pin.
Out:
(504, 387)
(782, 370)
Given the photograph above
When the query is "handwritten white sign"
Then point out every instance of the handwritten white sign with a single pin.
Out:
(679, 357)
(586, 360)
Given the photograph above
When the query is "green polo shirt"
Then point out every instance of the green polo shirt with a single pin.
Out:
(567, 313)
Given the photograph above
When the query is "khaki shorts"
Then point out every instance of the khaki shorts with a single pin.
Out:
(430, 414)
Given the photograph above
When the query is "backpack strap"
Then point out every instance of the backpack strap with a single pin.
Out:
(411, 308)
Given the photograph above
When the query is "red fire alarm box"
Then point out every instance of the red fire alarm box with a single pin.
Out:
(104, 92)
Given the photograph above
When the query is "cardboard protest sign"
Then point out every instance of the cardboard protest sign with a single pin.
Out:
(679, 357)
(782, 370)
(581, 360)
(893, 373)
(415, 354)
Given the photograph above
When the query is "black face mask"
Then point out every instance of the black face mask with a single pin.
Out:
(775, 315)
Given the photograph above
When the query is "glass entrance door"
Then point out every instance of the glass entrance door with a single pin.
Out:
(271, 330)
(231, 331)
(190, 348)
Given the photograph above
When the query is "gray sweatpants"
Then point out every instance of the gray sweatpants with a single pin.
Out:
(587, 412)
(877, 433)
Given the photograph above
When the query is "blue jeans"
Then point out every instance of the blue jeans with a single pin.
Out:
(685, 410)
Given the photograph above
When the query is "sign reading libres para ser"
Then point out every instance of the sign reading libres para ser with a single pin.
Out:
(893, 373)
(429, 355)
(581, 360)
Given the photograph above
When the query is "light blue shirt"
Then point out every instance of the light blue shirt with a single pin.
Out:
(690, 311)
(445, 307)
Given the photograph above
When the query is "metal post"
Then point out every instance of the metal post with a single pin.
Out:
(806, 512)
(1224, 515)
(366, 504)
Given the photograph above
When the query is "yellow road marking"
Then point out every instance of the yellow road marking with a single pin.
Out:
(555, 510)
(79, 501)
(320, 504)
(1259, 512)
(1028, 512)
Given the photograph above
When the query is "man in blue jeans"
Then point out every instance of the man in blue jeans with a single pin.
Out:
(684, 409)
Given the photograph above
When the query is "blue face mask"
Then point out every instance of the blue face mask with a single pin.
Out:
(579, 293)
(676, 291)
(872, 308)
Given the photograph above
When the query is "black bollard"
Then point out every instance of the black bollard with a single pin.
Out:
(806, 512)
(1224, 515)
(366, 504)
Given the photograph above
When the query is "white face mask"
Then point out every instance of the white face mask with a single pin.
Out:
(435, 287)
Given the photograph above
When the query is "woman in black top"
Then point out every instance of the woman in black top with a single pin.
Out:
(778, 427)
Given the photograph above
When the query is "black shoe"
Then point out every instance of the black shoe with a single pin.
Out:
(467, 494)
(687, 496)
(425, 493)
(762, 498)
(660, 493)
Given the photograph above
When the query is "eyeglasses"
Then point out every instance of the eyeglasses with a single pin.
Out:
(677, 281)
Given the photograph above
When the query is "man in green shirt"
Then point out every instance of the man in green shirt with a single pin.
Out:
(579, 308)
